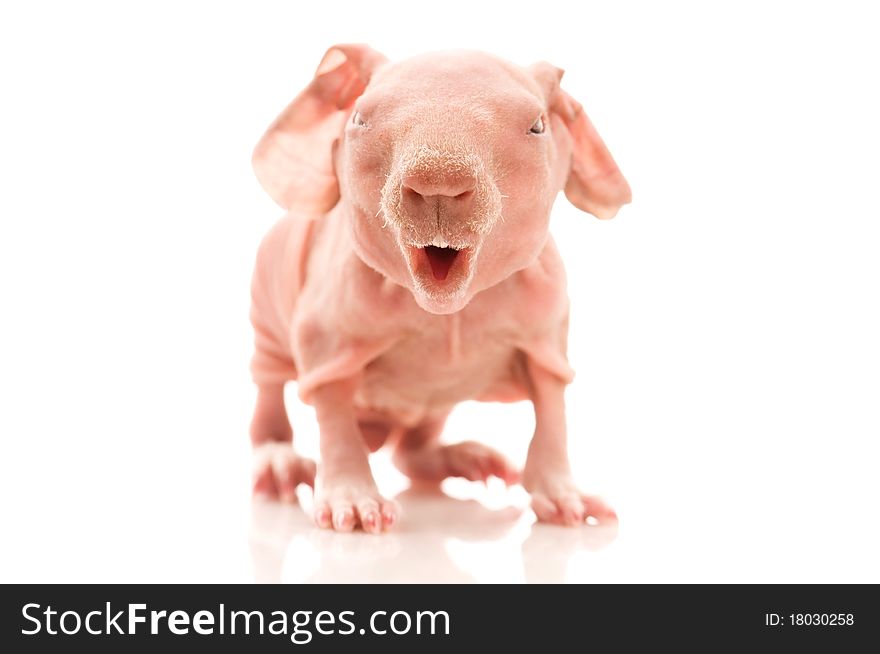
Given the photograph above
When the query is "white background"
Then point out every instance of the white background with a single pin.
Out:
(724, 326)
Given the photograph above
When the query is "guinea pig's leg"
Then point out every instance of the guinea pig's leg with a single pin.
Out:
(278, 470)
(346, 495)
(420, 455)
(547, 474)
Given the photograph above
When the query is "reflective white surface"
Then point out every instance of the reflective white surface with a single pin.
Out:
(193, 521)
(442, 539)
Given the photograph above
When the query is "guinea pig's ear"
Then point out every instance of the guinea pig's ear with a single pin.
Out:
(294, 160)
(595, 183)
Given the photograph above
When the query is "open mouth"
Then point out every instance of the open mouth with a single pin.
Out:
(439, 264)
(441, 260)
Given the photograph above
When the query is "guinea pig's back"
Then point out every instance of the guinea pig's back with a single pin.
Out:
(278, 278)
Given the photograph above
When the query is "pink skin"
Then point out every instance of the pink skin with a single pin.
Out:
(414, 270)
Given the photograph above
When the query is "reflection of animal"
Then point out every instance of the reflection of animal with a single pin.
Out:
(414, 270)
(284, 549)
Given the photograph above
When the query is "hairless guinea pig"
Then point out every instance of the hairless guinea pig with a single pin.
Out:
(414, 270)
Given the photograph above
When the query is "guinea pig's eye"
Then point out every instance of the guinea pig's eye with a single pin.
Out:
(357, 119)
(538, 126)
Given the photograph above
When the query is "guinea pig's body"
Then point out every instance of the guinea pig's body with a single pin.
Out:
(412, 366)
(414, 270)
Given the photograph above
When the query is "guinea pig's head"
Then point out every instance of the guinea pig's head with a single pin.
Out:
(447, 164)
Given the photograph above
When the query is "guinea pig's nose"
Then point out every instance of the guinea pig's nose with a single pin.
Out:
(423, 187)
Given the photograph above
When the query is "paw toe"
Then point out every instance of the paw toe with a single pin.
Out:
(545, 509)
(343, 518)
(477, 462)
(572, 509)
(264, 483)
(323, 516)
(306, 471)
(389, 514)
(368, 514)
(597, 508)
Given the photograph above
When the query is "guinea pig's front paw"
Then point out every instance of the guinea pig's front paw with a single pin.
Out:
(556, 499)
(278, 470)
(346, 501)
